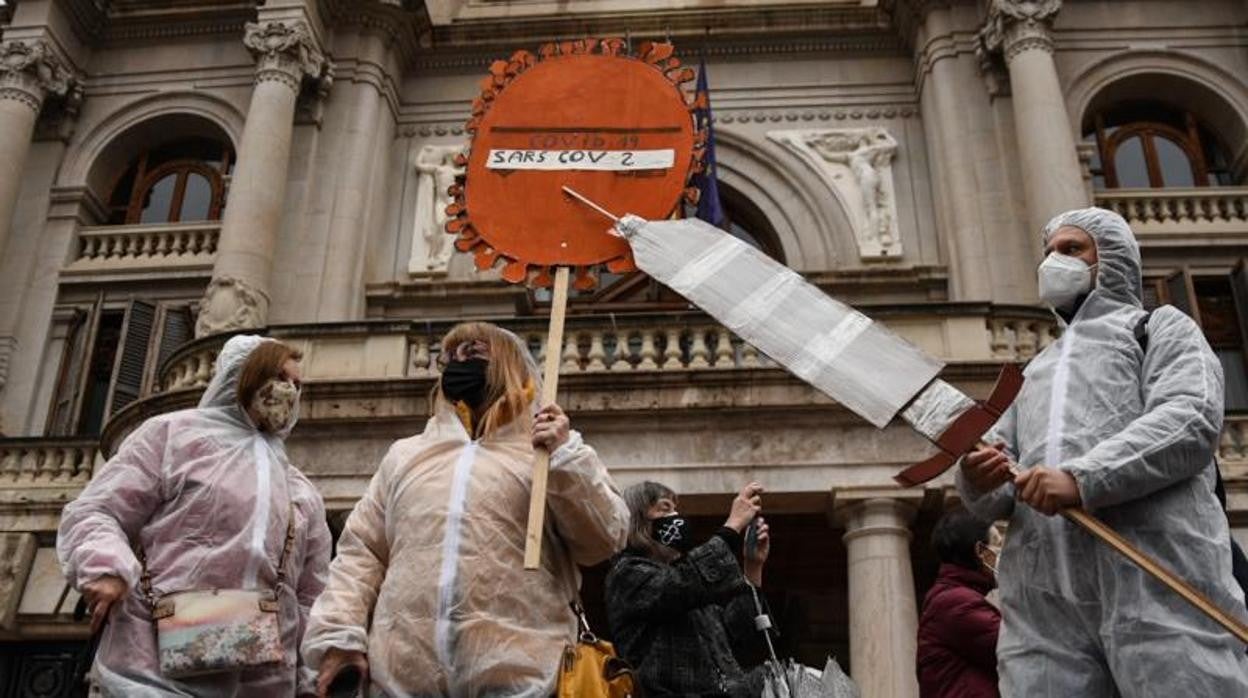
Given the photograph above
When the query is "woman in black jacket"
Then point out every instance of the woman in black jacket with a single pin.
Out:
(678, 611)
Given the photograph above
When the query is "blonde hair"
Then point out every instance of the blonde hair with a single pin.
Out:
(509, 380)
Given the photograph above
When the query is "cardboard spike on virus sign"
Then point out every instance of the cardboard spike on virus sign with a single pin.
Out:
(583, 114)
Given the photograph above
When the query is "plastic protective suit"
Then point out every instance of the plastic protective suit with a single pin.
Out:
(1138, 433)
(429, 579)
(205, 494)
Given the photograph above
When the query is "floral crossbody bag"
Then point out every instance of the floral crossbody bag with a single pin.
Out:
(218, 630)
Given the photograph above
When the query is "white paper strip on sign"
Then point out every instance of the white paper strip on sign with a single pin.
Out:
(617, 160)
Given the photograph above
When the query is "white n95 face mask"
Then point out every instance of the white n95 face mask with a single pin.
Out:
(1063, 279)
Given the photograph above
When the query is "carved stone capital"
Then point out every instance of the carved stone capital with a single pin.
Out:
(287, 52)
(31, 73)
(1015, 26)
(230, 304)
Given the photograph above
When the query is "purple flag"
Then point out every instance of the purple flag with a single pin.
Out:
(709, 207)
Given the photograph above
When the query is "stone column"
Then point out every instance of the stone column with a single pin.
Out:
(883, 617)
(1052, 179)
(952, 158)
(238, 295)
(342, 287)
(29, 74)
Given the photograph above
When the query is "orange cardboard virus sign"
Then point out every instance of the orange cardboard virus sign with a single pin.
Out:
(584, 114)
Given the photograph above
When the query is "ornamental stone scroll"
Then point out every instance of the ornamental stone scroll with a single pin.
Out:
(856, 164)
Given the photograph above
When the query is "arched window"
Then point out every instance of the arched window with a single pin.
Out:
(181, 181)
(635, 291)
(1148, 145)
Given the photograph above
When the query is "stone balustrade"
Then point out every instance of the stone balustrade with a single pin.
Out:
(190, 370)
(142, 247)
(957, 333)
(1019, 339)
(47, 461)
(1197, 210)
(1233, 447)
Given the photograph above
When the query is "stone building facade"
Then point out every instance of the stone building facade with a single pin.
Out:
(172, 171)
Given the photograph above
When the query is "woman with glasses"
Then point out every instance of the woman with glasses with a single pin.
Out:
(428, 595)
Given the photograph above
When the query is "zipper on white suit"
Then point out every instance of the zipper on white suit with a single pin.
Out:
(1057, 402)
(450, 553)
(259, 517)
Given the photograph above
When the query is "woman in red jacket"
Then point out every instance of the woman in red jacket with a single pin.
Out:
(957, 648)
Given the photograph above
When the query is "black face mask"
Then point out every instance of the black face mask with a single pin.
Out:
(673, 531)
(465, 381)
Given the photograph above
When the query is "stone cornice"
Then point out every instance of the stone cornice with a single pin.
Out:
(287, 52)
(402, 27)
(479, 57)
(682, 25)
(30, 72)
(410, 127)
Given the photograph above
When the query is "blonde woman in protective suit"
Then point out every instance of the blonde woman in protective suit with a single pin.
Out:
(208, 495)
(428, 595)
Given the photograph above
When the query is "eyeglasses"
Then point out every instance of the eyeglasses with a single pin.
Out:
(465, 351)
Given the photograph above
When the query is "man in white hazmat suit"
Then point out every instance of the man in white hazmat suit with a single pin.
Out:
(428, 595)
(1130, 435)
(206, 494)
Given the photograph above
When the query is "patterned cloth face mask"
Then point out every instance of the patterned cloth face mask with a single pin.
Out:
(274, 405)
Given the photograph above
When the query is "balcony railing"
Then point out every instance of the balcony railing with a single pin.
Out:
(145, 247)
(626, 344)
(52, 461)
(1233, 447)
(1187, 211)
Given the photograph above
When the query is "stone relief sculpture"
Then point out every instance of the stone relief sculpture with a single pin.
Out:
(856, 163)
(435, 173)
(230, 304)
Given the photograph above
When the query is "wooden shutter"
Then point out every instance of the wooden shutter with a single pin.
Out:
(136, 336)
(176, 329)
(63, 415)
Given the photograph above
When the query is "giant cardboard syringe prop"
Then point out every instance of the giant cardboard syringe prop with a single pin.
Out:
(847, 356)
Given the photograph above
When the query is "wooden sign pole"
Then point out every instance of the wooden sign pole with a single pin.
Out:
(1081, 518)
(550, 390)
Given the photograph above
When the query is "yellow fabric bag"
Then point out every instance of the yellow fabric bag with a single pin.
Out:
(590, 668)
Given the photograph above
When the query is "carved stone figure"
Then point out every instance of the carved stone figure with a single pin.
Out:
(230, 304)
(435, 173)
(866, 156)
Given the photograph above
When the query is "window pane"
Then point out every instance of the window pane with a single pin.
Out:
(1176, 169)
(197, 201)
(1129, 164)
(158, 199)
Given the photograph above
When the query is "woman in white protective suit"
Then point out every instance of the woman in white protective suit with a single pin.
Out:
(428, 595)
(1128, 430)
(207, 495)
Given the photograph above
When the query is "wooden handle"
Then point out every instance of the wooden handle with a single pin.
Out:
(550, 389)
(1110, 537)
(1080, 517)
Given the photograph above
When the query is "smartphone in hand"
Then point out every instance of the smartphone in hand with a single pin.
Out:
(751, 538)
